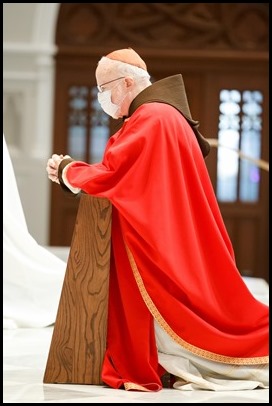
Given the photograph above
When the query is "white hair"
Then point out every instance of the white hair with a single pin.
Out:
(122, 68)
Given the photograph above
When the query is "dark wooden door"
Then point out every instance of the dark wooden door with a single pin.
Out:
(64, 206)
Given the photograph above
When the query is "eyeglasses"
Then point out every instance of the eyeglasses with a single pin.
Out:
(100, 87)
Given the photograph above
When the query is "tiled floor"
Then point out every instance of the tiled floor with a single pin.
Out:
(25, 356)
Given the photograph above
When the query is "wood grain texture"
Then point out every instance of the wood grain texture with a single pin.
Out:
(79, 338)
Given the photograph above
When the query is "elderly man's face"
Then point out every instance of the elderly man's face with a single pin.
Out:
(109, 85)
(105, 76)
(121, 87)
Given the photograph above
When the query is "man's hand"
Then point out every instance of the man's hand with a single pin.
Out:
(53, 166)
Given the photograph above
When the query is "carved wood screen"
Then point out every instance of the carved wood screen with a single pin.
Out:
(213, 45)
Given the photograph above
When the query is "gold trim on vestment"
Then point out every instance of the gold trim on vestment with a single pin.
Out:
(134, 386)
(189, 347)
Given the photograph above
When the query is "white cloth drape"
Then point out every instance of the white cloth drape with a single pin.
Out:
(195, 373)
(33, 276)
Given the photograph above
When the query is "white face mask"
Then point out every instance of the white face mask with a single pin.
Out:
(105, 102)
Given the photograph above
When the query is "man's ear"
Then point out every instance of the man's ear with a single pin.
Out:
(129, 81)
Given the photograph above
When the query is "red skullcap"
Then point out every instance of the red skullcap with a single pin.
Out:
(127, 55)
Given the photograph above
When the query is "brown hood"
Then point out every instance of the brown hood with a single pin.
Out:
(171, 91)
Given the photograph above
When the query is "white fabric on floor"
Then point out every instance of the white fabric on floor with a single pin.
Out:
(196, 373)
(193, 372)
(33, 276)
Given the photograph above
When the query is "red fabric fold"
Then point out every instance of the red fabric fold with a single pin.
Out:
(165, 214)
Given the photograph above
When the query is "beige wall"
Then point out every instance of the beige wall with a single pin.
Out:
(28, 83)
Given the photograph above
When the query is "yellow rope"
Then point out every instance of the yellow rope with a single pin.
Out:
(259, 162)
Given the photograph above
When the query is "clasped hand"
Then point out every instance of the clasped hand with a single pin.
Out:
(52, 166)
